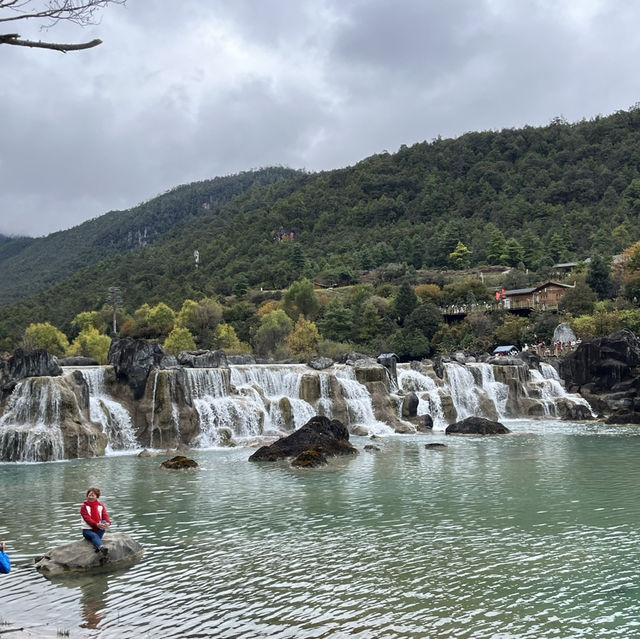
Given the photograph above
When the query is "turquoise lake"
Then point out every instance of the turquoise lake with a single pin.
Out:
(530, 535)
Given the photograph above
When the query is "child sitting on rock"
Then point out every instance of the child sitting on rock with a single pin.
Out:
(95, 520)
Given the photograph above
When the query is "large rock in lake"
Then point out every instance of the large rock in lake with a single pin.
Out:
(80, 556)
(133, 360)
(476, 426)
(319, 434)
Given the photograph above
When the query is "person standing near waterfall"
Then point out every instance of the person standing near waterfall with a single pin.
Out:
(95, 520)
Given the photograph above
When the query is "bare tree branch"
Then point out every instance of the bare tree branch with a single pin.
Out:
(49, 13)
(13, 38)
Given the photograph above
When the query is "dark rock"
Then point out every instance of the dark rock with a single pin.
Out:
(243, 360)
(606, 372)
(203, 359)
(476, 426)
(309, 459)
(319, 434)
(426, 425)
(78, 361)
(624, 417)
(436, 446)
(530, 358)
(179, 462)
(321, 363)
(80, 556)
(410, 405)
(569, 410)
(23, 364)
(605, 361)
(133, 360)
(390, 362)
(370, 448)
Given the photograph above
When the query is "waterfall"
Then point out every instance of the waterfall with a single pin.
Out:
(104, 410)
(427, 391)
(547, 381)
(462, 387)
(325, 405)
(30, 426)
(359, 402)
(278, 383)
(497, 392)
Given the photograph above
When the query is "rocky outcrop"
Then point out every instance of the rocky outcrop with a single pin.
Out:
(179, 462)
(23, 364)
(203, 359)
(605, 372)
(321, 363)
(319, 434)
(476, 426)
(133, 360)
(80, 556)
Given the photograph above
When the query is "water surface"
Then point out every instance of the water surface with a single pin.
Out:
(534, 534)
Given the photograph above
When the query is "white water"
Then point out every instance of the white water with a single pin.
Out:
(463, 389)
(110, 414)
(30, 426)
(359, 402)
(497, 392)
(551, 389)
(427, 391)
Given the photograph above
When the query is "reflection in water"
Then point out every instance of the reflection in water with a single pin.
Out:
(528, 535)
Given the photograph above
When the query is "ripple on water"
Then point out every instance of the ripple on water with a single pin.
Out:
(526, 536)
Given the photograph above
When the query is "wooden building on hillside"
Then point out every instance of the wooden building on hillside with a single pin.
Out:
(545, 297)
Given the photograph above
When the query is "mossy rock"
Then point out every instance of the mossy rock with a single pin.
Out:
(179, 462)
(309, 459)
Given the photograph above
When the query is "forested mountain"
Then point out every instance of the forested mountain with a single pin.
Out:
(531, 196)
(32, 265)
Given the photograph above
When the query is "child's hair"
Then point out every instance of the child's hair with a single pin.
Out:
(94, 490)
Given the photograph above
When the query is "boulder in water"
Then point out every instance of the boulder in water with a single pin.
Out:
(80, 556)
(476, 426)
(179, 462)
(319, 434)
(435, 446)
(309, 459)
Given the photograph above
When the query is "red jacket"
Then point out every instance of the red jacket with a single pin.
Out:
(93, 512)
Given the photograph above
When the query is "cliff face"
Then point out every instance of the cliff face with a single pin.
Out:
(605, 372)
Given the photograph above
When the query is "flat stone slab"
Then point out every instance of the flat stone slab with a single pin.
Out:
(80, 556)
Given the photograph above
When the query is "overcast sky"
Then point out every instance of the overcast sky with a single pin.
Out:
(187, 90)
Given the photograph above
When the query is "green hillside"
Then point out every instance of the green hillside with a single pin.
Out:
(33, 265)
(529, 196)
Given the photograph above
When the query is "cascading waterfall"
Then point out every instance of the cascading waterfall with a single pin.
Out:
(359, 402)
(427, 391)
(551, 389)
(104, 410)
(30, 426)
(497, 392)
(325, 405)
(462, 387)
(277, 383)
